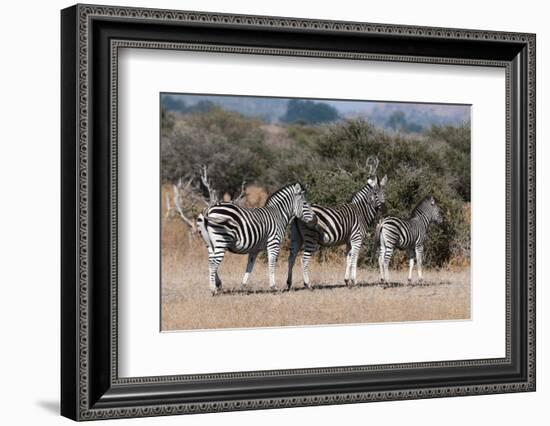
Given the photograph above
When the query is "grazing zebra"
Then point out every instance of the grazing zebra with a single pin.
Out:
(227, 226)
(343, 224)
(408, 234)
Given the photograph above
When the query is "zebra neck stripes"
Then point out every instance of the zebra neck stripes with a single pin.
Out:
(338, 223)
(421, 220)
(366, 210)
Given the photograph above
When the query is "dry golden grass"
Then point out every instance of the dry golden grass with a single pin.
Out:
(188, 304)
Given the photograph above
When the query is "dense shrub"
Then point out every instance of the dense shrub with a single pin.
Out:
(456, 155)
(232, 147)
(416, 166)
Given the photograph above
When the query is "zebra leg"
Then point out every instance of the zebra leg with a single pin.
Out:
(381, 257)
(311, 245)
(214, 260)
(387, 256)
(296, 241)
(384, 256)
(348, 263)
(272, 255)
(411, 265)
(306, 257)
(355, 247)
(419, 253)
(249, 267)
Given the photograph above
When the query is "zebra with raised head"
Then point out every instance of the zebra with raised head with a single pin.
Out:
(227, 226)
(408, 234)
(344, 224)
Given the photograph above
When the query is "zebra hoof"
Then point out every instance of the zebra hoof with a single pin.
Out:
(346, 282)
(409, 280)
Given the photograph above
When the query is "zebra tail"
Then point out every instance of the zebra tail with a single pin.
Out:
(202, 224)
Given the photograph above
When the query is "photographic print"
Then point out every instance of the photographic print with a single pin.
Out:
(292, 212)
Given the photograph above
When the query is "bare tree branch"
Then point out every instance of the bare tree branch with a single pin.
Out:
(186, 195)
(372, 163)
(183, 201)
(242, 195)
(212, 195)
(178, 205)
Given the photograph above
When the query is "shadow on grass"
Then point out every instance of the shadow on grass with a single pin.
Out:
(327, 287)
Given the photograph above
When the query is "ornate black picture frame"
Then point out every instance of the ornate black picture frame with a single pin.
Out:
(91, 36)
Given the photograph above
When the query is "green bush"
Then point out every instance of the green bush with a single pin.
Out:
(231, 146)
(416, 166)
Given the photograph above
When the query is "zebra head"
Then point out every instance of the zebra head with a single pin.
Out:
(430, 209)
(292, 202)
(302, 209)
(380, 191)
(437, 216)
(373, 193)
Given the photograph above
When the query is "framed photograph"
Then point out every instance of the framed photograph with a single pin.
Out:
(263, 212)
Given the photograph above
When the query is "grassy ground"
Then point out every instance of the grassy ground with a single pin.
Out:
(188, 304)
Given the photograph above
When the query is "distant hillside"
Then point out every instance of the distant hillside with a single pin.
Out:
(268, 109)
(390, 115)
(393, 116)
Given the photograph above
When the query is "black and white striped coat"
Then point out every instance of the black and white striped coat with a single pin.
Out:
(227, 226)
(344, 224)
(408, 234)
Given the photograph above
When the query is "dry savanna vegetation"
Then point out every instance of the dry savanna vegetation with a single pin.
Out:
(241, 149)
(188, 304)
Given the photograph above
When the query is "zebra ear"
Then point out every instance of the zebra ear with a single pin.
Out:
(384, 180)
(297, 188)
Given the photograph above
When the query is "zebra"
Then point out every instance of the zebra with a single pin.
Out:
(343, 224)
(227, 226)
(409, 234)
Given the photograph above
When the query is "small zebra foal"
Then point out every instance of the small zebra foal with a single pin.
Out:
(227, 226)
(409, 234)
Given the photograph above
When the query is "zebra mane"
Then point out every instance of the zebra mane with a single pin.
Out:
(275, 194)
